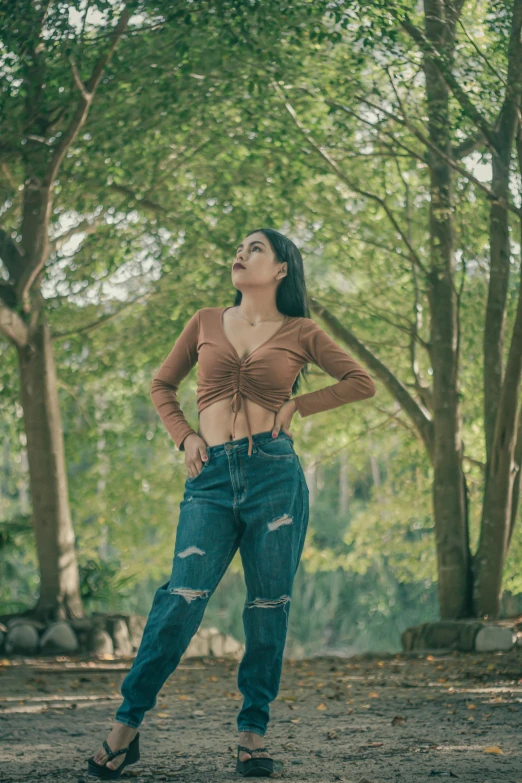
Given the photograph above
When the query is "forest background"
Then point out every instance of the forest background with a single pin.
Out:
(140, 143)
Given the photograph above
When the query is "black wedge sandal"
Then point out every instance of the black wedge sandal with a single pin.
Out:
(106, 773)
(258, 767)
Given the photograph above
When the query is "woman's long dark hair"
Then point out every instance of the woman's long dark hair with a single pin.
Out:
(291, 296)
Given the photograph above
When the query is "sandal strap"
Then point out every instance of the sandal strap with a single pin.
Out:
(251, 750)
(113, 753)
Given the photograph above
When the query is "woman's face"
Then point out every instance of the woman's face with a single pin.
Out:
(259, 262)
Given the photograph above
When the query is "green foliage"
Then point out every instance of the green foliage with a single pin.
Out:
(18, 566)
(188, 144)
(101, 581)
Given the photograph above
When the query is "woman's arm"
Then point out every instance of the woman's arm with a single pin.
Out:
(354, 382)
(164, 388)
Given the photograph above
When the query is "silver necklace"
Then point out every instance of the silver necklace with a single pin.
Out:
(259, 322)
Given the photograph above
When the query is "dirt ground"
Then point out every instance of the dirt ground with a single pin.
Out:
(397, 717)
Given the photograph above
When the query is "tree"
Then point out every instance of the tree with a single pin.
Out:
(47, 133)
(63, 66)
(469, 585)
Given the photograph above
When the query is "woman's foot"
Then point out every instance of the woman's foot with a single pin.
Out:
(120, 736)
(252, 740)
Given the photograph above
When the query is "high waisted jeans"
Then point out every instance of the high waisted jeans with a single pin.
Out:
(259, 504)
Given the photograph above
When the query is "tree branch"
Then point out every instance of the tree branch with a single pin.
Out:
(467, 146)
(32, 269)
(462, 97)
(13, 326)
(146, 203)
(87, 97)
(87, 92)
(418, 414)
(481, 54)
(425, 140)
(327, 157)
(84, 227)
(395, 141)
(507, 118)
(100, 321)
(11, 255)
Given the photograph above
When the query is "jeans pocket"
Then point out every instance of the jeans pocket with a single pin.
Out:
(206, 466)
(277, 449)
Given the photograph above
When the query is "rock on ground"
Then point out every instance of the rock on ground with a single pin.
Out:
(58, 637)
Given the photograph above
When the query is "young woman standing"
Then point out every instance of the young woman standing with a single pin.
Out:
(245, 486)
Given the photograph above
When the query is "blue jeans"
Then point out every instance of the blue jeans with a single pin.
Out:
(259, 503)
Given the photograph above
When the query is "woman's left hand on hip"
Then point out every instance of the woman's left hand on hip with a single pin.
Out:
(283, 418)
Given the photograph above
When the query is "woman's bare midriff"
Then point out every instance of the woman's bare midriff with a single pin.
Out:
(215, 422)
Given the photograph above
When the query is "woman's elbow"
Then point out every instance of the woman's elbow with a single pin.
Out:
(372, 390)
(154, 387)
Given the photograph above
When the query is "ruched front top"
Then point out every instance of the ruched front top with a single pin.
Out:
(265, 376)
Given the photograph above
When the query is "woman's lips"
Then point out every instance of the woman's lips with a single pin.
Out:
(238, 266)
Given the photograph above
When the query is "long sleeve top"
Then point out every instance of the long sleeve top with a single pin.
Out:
(265, 375)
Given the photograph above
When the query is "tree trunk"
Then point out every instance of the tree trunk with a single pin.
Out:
(448, 486)
(501, 388)
(45, 143)
(517, 483)
(501, 482)
(495, 321)
(468, 587)
(59, 587)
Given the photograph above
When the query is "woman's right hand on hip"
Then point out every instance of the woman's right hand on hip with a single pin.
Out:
(195, 454)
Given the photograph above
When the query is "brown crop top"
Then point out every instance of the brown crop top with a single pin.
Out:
(265, 375)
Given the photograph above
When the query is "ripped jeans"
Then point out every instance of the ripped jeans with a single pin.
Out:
(259, 504)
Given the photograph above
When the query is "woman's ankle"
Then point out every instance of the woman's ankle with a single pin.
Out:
(124, 728)
(251, 738)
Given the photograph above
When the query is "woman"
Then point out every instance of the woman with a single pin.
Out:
(245, 486)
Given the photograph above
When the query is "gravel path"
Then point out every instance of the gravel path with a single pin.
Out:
(406, 718)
